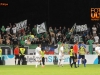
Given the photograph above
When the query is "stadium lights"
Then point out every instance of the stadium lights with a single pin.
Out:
(3, 4)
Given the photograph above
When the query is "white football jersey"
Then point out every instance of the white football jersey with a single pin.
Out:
(61, 50)
(97, 49)
(37, 50)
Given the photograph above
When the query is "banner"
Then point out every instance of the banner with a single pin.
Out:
(80, 28)
(41, 28)
(49, 59)
(20, 25)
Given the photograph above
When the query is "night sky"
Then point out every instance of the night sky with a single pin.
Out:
(53, 12)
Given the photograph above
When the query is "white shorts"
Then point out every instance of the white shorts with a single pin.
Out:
(61, 57)
(38, 58)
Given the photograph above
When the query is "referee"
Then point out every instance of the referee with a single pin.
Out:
(22, 54)
(16, 53)
(75, 48)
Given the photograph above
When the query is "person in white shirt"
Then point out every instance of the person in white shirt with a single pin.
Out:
(8, 29)
(14, 29)
(96, 38)
(38, 56)
(61, 55)
(94, 29)
(97, 49)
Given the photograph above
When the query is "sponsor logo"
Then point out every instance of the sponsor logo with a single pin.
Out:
(47, 59)
(95, 14)
(5, 57)
(96, 61)
(31, 59)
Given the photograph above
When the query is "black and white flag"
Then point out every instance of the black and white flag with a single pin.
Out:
(76, 38)
(20, 25)
(41, 28)
(80, 28)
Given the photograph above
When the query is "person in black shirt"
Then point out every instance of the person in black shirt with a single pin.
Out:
(71, 39)
(4, 40)
(28, 30)
(11, 32)
(98, 30)
(64, 39)
(33, 42)
(47, 41)
(64, 30)
(38, 41)
(55, 30)
(60, 29)
(43, 41)
(15, 41)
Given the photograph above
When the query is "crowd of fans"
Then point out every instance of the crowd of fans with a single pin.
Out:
(10, 36)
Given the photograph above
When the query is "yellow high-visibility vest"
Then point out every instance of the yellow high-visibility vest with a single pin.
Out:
(0, 52)
(42, 53)
(22, 51)
(82, 51)
(71, 52)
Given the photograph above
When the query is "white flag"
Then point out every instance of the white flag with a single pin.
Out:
(80, 28)
(41, 28)
(20, 25)
(76, 38)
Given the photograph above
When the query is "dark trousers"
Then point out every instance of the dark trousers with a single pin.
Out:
(22, 59)
(43, 60)
(17, 57)
(0, 58)
(0, 61)
(71, 59)
(98, 59)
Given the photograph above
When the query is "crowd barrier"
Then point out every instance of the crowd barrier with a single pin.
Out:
(49, 59)
(30, 49)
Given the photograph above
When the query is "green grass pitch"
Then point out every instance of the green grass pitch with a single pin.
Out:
(49, 70)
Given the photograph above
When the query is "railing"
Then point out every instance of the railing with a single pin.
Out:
(50, 49)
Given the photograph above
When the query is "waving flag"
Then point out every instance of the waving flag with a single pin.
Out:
(41, 28)
(20, 25)
(50, 49)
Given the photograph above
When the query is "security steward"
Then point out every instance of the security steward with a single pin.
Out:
(71, 56)
(22, 54)
(43, 58)
(0, 56)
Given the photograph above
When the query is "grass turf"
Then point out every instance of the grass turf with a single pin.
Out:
(49, 70)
